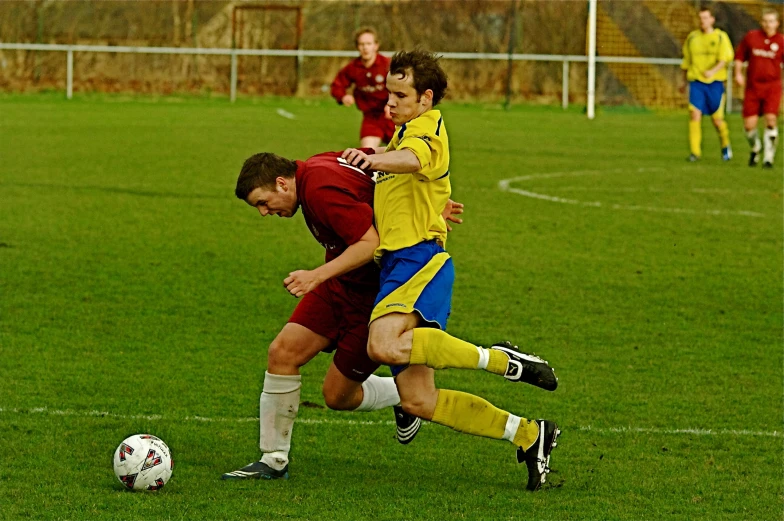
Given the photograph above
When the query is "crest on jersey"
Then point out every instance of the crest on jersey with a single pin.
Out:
(774, 46)
(379, 78)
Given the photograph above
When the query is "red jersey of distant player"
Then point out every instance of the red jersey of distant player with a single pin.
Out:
(370, 94)
(764, 54)
(337, 203)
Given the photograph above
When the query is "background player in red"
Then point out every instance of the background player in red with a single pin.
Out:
(338, 296)
(368, 74)
(763, 49)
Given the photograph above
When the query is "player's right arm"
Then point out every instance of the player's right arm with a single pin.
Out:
(300, 282)
(340, 85)
(686, 62)
(741, 55)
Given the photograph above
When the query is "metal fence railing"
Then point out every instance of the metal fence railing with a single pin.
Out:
(301, 54)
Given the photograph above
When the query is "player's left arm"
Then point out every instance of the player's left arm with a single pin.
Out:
(300, 282)
(725, 55)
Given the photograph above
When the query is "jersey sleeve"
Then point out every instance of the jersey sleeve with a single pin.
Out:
(686, 62)
(421, 136)
(341, 83)
(742, 54)
(342, 212)
(726, 52)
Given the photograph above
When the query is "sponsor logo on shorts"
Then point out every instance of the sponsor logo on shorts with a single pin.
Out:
(397, 305)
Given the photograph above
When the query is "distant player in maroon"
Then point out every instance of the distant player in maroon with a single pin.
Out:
(368, 75)
(763, 49)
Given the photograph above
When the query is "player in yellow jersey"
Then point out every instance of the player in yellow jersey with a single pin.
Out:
(706, 54)
(408, 321)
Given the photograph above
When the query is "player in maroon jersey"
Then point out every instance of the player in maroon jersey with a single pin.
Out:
(763, 49)
(368, 74)
(337, 298)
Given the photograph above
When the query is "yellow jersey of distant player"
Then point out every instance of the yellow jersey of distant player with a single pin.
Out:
(408, 207)
(703, 51)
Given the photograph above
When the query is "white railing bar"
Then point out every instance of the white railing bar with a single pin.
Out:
(302, 53)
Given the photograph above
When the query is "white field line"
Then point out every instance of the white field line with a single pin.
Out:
(341, 421)
(285, 114)
(504, 186)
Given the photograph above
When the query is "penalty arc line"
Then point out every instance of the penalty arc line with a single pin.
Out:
(504, 186)
(337, 421)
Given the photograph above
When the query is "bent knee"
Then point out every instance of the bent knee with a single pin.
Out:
(337, 401)
(283, 354)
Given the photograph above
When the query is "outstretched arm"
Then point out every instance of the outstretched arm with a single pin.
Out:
(450, 213)
(402, 161)
(300, 282)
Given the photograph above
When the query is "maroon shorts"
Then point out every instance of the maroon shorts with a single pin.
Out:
(377, 125)
(762, 98)
(341, 314)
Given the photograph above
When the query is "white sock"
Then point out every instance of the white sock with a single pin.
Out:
(378, 393)
(770, 137)
(484, 357)
(754, 141)
(278, 406)
(512, 424)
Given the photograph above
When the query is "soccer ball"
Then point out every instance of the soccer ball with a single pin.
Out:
(143, 462)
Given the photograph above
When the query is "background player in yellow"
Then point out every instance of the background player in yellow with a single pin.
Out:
(706, 54)
(408, 321)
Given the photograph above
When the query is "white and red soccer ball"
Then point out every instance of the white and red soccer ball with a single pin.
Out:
(143, 462)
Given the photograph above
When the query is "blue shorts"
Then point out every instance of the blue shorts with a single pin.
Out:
(417, 279)
(708, 98)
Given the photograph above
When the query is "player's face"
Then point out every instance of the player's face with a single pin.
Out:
(404, 103)
(367, 46)
(706, 21)
(770, 24)
(281, 201)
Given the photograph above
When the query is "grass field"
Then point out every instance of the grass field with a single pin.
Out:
(138, 295)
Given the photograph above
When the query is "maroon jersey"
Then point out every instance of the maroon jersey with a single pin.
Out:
(764, 54)
(337, 203)
(370, 84)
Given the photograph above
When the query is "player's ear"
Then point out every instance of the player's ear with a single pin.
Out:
(427, 97)
(282, 182)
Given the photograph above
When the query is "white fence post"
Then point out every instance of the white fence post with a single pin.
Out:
(591, 58)
(233, 95)
(69, 75)
(565, 86)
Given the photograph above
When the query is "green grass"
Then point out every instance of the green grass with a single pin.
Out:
(133, 282)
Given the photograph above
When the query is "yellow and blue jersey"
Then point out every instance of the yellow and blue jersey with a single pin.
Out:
(408, 206)
(703, 51)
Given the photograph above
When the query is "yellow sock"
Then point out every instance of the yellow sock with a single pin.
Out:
(724, 133)
(695, 137)
(471, 414)
(439, 350)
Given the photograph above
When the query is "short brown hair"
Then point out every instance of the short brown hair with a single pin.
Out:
(769, 10)
(426, 70)
(708, 8)
(365, 30)
(260, 171)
